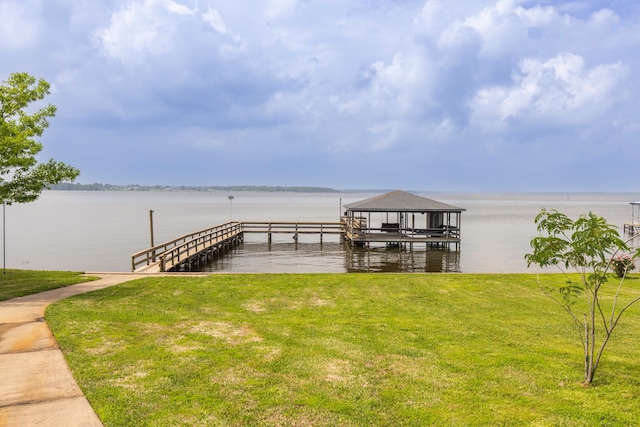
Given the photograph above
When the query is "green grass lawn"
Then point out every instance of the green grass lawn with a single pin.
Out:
(342, 349)
(18, 283)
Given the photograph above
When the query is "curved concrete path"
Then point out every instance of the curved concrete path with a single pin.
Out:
(36, 385)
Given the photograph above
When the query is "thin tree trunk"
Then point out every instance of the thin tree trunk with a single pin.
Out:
(587, 355)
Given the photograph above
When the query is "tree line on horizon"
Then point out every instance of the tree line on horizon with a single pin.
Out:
(69, 186)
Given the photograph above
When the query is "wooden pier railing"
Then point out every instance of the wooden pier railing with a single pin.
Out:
(632, 227)
(295, 228)
(180, 251)
(167, 255)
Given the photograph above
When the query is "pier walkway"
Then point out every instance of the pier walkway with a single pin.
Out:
(201, 246)
(187, 249)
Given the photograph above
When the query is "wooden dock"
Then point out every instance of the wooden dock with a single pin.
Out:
(195, 249)
(186, 250)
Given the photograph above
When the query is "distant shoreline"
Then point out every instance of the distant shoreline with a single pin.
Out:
(304, 189)
(136, 187)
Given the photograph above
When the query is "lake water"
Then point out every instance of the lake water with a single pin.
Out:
(98, 231)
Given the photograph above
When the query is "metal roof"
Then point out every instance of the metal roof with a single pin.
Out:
(401, 201)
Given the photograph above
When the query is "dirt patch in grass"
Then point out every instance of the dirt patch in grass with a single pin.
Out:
(254, 306)
(105, 346)
(339, 371)
(283, 303)
(304, 417)
(131, 377)
(227, 332)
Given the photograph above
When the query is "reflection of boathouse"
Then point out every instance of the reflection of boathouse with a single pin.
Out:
(399, 218)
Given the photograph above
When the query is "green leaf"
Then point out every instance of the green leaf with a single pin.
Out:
(22, 177)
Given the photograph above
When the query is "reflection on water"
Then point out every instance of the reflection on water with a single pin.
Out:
(281, 258)
(333, 257)
(394, 259)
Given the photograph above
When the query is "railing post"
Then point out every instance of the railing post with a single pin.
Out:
(151, 233)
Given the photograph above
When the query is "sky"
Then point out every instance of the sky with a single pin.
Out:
(433, 95)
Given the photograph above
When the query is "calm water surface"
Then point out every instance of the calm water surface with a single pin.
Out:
(98, 231)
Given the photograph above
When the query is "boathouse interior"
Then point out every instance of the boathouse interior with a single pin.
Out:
(401, 218)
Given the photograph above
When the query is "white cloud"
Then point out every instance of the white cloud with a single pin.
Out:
(538, 16)
(384, 135)
(432, 19)
(504, 26)
(559, 90)
(67, 77)
(135, 30)
(395, 91)
(279, 8)
(143, 28)
(604, 18)
(177, 8)
(19, 29)
(395, 81)
(485, 65)
(213, 18)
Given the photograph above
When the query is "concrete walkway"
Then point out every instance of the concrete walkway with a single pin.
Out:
(36, 385)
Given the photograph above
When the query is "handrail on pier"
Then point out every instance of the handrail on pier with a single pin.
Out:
(297, 227)
(174, 252)
(195, 246)
(151, 256)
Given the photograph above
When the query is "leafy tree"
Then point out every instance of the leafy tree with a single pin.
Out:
(585, 246)
(22, 177)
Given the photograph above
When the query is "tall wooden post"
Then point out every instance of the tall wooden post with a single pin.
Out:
(151, 226)
(151, 234)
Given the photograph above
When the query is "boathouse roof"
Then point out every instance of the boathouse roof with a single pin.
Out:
(401, 201)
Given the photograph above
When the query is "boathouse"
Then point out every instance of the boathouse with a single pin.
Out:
(633, 226)
(399, 218)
